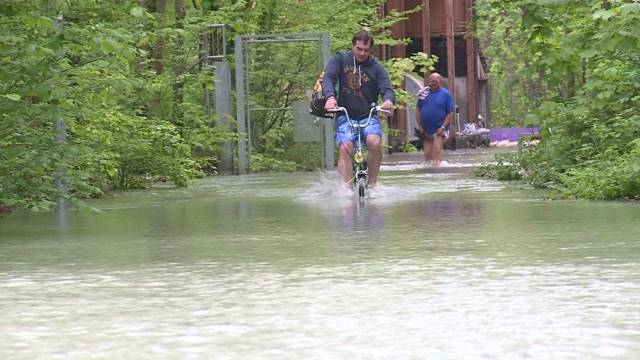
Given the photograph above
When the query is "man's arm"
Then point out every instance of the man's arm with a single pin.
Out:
(386, 89)
(331, 73)
(419, 119)
(448, 120)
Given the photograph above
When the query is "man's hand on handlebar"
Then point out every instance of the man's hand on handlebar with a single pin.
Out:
(331, 103)
(387, 105)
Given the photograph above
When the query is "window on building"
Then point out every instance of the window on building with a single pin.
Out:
(439, 48)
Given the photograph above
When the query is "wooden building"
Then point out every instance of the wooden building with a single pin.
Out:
(442, 28)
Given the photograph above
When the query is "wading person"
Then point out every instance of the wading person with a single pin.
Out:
(434, 114)
(362, 80)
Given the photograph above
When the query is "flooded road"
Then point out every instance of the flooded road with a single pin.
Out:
(436, 264)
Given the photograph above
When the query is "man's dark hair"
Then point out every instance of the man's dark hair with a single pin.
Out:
(364, 36)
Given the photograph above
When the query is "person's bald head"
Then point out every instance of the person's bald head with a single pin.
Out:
(435, 81)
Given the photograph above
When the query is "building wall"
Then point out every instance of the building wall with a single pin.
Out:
(465, 61)
(437, 19)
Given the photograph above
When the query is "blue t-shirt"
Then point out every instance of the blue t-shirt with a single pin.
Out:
(434, 109)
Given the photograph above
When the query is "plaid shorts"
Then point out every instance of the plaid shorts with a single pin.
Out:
(345, 132)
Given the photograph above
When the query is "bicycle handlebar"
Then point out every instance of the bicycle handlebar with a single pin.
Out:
(373, 110)
(381, 109)
(336, 109)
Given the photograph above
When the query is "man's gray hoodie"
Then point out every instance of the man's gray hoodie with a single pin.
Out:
(360, 83)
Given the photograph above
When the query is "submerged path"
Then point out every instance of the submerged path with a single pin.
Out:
(472, 157)
(439, 265)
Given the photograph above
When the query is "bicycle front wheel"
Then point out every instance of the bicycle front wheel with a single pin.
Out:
(361, 185)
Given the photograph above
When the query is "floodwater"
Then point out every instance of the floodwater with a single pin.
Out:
(437, 264)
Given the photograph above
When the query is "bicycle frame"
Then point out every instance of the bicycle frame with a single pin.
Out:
(360, 169)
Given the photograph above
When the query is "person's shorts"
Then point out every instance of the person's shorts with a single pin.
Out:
(429, 137)
(345, 132)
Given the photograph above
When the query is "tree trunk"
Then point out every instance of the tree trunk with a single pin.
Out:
(179, 67)
(157, 53)
(159, 8)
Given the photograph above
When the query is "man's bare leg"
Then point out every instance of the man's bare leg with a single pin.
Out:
(374, 144)
(427, 147)
(437, 149)
(345, 166)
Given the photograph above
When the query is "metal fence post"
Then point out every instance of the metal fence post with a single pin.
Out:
(328, 158)
(223, 112)
(240, 107)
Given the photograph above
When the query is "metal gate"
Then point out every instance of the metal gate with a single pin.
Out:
(252, 63)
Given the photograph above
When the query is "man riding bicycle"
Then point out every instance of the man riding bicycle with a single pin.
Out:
(362, 80)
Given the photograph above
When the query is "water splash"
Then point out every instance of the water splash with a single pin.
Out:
(399, 181)
(444, 166)
(327, 189)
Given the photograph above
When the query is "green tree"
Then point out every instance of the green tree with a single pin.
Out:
(584, 56)
(120, 75)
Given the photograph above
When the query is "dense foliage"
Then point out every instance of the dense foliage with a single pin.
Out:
(570, 67)
(102, 95)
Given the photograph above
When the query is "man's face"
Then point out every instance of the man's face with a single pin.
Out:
(435, 82)
(361, 50)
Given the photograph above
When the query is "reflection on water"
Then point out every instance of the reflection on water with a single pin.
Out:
(432, 265)
(357, 216)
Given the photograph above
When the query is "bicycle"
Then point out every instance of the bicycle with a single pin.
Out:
(360, 170)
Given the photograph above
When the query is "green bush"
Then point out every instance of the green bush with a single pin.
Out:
(506, 167)
(261, 163)
(586, 94)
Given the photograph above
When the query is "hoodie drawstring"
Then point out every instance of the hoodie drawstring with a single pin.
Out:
(359, 72)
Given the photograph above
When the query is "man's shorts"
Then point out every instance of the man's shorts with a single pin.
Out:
(445, 136)
(345, 132)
